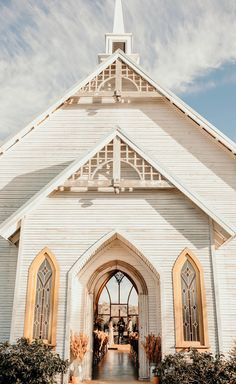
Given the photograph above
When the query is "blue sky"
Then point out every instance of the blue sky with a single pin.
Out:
(217, 100)
(48, 45)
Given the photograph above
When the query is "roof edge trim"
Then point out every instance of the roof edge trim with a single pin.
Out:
(170, 96)
(10, 225)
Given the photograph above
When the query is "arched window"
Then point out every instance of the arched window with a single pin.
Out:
(42, 298)
(189, 302)
(119, 298)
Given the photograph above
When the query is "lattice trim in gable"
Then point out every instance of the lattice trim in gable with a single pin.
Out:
(119, 81)
(97, 83)
(117, 167)
(141, 84)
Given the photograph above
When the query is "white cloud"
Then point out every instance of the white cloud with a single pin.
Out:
(47, 45)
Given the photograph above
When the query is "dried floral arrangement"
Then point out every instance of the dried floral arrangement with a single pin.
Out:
(78, 346)
(102, 338)
(100, 343)
(152, 347)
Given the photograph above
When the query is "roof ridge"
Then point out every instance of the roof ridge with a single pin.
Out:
(203, 124)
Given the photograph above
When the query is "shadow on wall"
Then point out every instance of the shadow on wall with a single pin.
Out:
(23, 187)
(8, 262)
(183, 216)
(188, 135)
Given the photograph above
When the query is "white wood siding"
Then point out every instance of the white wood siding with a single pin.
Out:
(160, 223)
(8, 258)
(158, 127)
(226, 276)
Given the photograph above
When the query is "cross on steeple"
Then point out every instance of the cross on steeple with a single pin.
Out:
(118, 39)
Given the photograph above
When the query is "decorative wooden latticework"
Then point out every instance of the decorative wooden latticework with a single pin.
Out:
(117, 79)
(96, 84)
(88, 171)
(116, 167)
(142, 85)
(142, 167)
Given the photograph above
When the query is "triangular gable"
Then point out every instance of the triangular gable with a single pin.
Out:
(119, 81)
(133, 67)
(115, 168)
(12, 224)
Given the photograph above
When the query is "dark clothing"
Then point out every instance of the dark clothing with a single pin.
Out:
(121, 329)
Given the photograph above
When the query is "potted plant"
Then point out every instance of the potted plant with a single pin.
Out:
(156, 375)
(78, 349)
(152, 348)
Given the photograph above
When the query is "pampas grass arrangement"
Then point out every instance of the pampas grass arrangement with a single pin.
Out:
(152, 347)
(78, 346)
(78, 349)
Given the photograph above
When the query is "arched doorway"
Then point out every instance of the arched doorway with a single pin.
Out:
(116, 333)
(114, 252)
(117, 298)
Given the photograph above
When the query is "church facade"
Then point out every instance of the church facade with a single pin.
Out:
(119, 176)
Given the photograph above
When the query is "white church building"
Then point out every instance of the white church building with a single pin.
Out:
(120, 176)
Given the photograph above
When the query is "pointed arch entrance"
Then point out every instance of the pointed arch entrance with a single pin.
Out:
(115, 252)
(117, 298)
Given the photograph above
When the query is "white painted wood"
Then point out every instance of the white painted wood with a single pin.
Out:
(220, 137)
(17, 281)
(10, 225)
(226, 272)
(8, 259)
(216, 287)
(160, 224)
(118, 27)
(116, 161)
(162, 132)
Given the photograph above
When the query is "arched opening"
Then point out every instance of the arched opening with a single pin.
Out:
(116, 327)
(86, 286)
(118, 297)
(189, 302)
(42, 298)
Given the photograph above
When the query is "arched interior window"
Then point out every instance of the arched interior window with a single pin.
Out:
(118, 298)
(42, 297)
(189, 302)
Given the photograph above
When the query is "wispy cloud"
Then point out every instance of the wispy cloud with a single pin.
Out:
(47, 45)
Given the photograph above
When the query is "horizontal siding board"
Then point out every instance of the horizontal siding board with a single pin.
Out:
(164, 133)
(8, 260)
(226, 276)
(161, 224)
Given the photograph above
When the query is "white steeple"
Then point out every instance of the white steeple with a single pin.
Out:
(118, 27)
(118, 39)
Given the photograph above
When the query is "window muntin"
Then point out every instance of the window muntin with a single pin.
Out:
(119, 298)
(43, 302)
(42, 298)
(191, 324)
(191, 328)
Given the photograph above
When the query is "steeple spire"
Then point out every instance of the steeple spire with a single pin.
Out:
(119, 39)
(118, 27)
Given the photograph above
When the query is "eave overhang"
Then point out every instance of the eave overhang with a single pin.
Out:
(202, 123)
(13, 223)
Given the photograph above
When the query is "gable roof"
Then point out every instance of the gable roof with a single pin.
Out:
(12, 224)
(171, 97)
